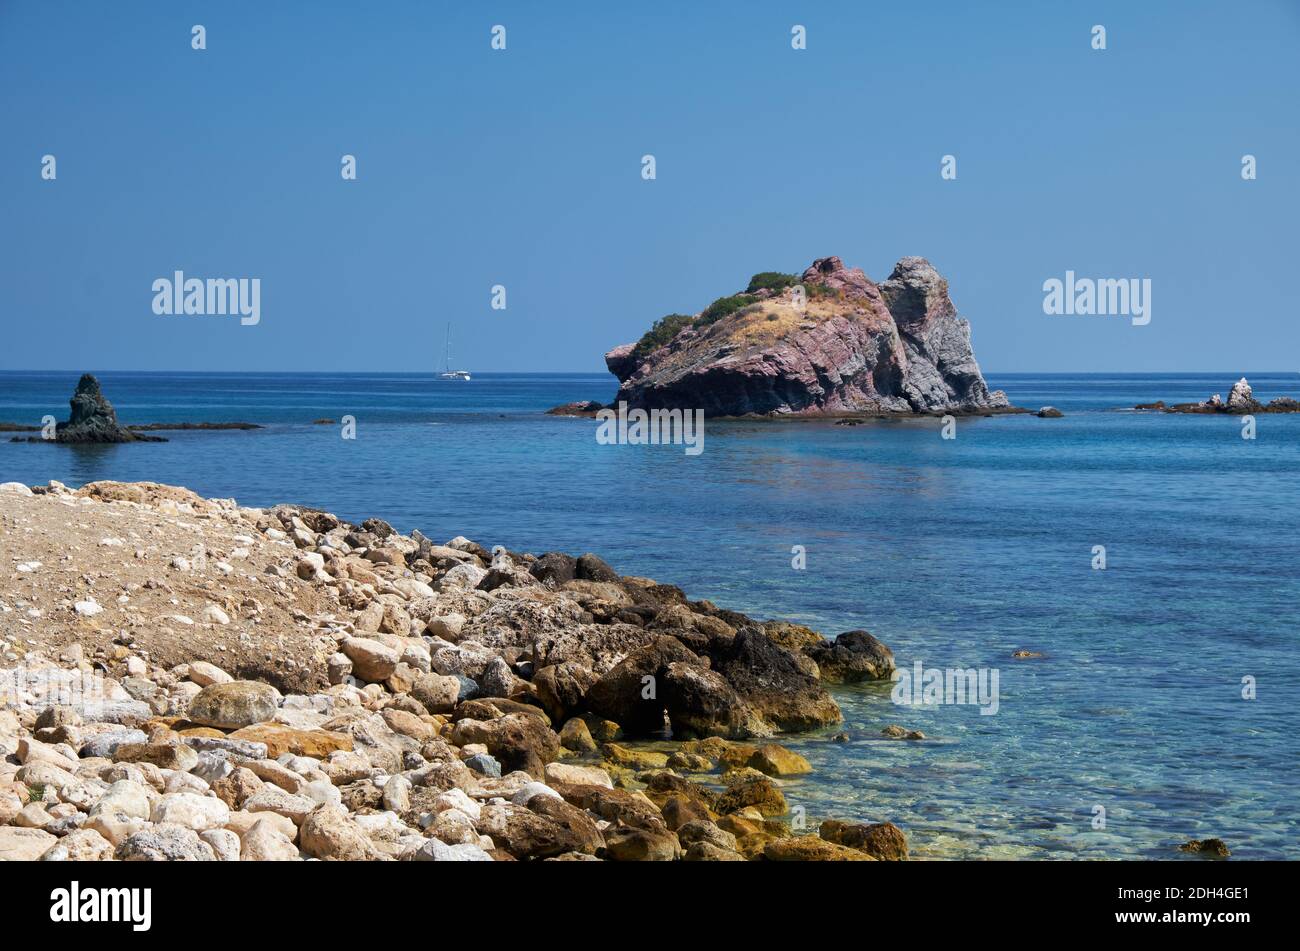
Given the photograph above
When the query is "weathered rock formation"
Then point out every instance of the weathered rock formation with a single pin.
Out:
(1241, 400)
(826, 343)
(93, 418)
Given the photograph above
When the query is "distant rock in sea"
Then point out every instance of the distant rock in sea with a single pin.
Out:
(93, 419)
(827, 342)
(579, 408)
(1241, 400)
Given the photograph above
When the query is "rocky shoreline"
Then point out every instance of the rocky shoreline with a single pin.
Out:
(185, 678)
(588, 409)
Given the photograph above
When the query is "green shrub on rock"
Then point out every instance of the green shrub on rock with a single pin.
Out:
(774, 281)
(664, 329)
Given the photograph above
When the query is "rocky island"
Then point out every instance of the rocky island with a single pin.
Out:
(1241, 400)
(189, 679)
(828, 342)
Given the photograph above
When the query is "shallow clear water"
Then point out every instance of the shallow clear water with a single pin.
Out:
(955, 553)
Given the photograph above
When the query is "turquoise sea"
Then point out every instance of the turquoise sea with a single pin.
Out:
(954, 552)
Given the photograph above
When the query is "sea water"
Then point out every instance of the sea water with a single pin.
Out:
(1128, 736)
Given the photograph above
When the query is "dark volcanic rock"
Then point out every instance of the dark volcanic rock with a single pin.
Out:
(627, 697)
(182, 427)
(896, 348)
(93, 419)
(546, 827)
(852, 657)
(579, 408)
(556, 567)
(771, 680)
(701, 703)
(593, 568)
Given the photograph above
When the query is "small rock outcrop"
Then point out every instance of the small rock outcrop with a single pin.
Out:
(827, 342)
(1209, 848)
(1241, 400)
(93, 418)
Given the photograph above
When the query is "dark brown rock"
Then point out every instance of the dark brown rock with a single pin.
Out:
(555, 567)
(882, 840)
(757, 791)
(628, 844)
(626, 697)
(518, 741)
(613, 805)
(592, 568)
(770, 679)
(1211, 848)
(562, 688)
(701, 703)
(547, 827)
(851, 658)
(662, 786)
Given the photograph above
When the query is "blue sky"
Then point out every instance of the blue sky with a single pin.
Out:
(522, 168)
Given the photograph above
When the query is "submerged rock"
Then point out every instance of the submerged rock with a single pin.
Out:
(809, 848)
(882, 840)
(1211, 848)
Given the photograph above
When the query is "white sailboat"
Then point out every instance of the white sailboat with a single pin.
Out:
(449, 373)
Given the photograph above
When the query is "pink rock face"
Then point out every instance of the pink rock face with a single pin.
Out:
(894, 348)
(620, 361)
(852, 282)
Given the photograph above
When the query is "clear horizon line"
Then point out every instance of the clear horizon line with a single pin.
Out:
(601, 372)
